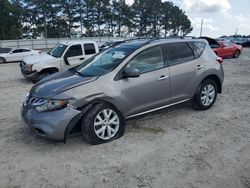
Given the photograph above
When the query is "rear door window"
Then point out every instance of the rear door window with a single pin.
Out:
(178, 53)
(26, 50)
(17, 51)
(89, 49)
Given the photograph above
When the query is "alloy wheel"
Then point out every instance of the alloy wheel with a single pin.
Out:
(208, 95)
(106, 124)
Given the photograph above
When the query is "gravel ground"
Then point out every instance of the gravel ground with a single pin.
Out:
(177, 147)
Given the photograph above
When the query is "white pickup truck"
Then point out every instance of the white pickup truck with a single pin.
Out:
(62, 56)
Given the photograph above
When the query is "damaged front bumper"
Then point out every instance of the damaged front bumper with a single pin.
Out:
(32, 75)
(53, 125)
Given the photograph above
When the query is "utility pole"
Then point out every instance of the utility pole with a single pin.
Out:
(81, 17)
(201, 27)
(45, 27)
(236, 32)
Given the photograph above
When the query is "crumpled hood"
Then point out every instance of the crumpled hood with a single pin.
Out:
(57, 83)
(44, 57)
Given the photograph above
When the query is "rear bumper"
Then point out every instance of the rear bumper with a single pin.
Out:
(50, 125)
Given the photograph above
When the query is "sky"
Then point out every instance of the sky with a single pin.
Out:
(220, 17)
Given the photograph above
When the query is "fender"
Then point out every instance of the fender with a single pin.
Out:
(74, 121)
(46, 65)
(84, 110)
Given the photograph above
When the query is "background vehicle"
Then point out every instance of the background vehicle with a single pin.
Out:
(62, 56)
(5, 50)
(128, 80)
(11, 55)
(224, 48)
(228, 49)
(246, 43)
(107, 45)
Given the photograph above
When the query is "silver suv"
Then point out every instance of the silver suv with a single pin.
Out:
(122, 82)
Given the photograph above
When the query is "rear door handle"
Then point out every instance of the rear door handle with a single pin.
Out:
(82, 58)
(163, 78)
(198, 67)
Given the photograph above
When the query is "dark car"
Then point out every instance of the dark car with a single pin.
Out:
(5, 50)
(246, 43)
(107, 45)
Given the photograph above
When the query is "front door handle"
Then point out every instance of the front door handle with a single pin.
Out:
(198, 67)
(82, 58)
(162, 78)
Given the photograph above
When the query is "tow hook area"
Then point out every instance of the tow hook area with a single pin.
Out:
(71, 125)
(74, 121)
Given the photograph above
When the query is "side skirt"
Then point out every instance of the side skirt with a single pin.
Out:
(159, 108)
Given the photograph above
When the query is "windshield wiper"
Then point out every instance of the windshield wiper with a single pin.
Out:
(73, 70)
(79, 73)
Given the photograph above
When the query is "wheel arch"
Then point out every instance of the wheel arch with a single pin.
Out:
(216, 79)
(75, 124)
(50, 70)
(5, 60)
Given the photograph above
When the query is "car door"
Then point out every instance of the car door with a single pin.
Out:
(184, 69)
(228, 49)
(151, 89)
(74, 55)
(15, 55)
(25, 53)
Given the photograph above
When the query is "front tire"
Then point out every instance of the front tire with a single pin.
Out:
(103, 123)
(2, 60)
(206, 95)
(40, 76)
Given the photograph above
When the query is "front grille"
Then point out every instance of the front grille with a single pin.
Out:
(33, 101)
(40, 131)
(23, 65)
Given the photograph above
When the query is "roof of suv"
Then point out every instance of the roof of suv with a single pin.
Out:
(135, 44)
(75, 42)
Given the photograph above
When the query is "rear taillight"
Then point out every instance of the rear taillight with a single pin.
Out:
(219, 60)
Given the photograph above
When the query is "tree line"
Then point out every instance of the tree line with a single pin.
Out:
(91, 18)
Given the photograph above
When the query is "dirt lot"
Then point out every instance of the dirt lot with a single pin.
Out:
(177, 147)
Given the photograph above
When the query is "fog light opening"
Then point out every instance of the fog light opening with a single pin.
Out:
(39, 131)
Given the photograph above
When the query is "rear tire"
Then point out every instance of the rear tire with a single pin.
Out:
(206, 95)
(103, 123)
(2, 60)
(237, 54)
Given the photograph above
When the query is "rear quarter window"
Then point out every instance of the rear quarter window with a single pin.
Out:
(89, 49)
(178, 53)
(198, 48)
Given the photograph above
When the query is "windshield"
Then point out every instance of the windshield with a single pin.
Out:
(103, 63)
(58, 50)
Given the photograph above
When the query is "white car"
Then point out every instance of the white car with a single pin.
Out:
(63, 56)
(17, 54)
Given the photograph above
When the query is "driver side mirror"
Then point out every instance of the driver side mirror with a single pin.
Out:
(131, 73)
